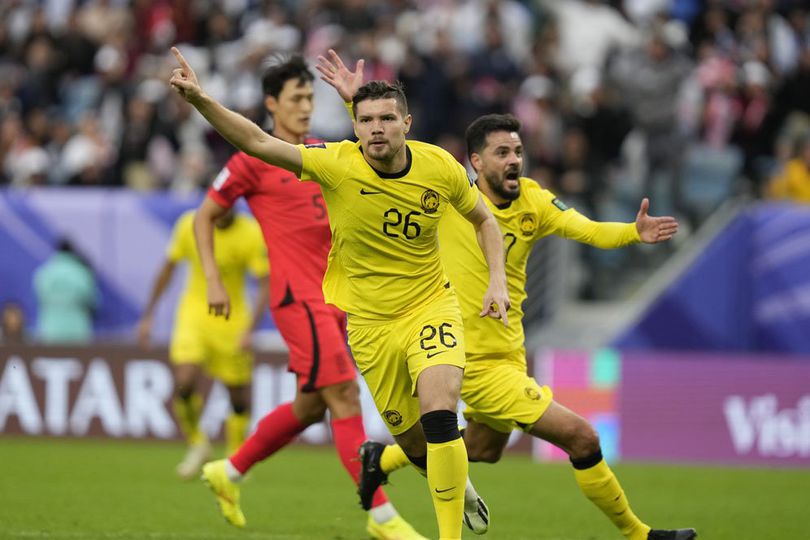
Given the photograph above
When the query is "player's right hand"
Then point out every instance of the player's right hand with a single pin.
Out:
(144, 331)
(496, 302)
(219, 304)
(184, 80)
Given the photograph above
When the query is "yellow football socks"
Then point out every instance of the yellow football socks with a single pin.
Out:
(600, 485)
(188, 412)
(447, 479)
(236, 426)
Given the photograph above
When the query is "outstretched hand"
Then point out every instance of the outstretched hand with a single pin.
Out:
(335, 72)
(184, 80)
(653, 230)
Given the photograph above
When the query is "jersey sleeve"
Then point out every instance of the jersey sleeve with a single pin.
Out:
(236, 179)
(182, 234)
(563, 221)
(326, 163)
(464, 193)
(257, 262)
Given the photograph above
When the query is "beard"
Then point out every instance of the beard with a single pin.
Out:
(385, 153)
(497, 184)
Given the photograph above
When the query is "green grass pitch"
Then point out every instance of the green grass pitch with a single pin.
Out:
(77, 490)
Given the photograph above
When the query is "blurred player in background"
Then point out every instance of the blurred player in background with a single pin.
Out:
(294, 221)
(499, 394)
(201, 342)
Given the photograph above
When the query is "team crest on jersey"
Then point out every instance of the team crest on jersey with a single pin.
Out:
(393, 417)
(532, 393)
(528, 224)
(430, 201)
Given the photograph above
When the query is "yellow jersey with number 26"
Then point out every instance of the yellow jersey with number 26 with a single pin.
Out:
(384, 260)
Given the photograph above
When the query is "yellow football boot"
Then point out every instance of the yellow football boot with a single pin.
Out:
(226, 492)
(395, 528)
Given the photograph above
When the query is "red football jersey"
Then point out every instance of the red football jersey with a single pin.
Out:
(293, 219)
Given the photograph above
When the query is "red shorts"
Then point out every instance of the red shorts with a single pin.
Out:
(315, 333)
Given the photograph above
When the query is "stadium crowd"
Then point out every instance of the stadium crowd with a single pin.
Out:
(617, 99)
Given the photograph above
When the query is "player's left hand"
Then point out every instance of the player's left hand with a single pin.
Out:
(496, 302)
(653, 230)
(334, 72)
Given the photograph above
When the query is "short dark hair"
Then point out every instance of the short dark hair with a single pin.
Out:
(482, 126)
(382, 90)
(282, 68)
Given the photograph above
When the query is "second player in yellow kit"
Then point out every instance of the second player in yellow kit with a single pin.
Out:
(203, 343)
(497, 389)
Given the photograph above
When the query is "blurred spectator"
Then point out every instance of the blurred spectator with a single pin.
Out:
(752, 133)
(65, 287)
(650, 80)
(12, 326)
(794, 182)
(588, 31)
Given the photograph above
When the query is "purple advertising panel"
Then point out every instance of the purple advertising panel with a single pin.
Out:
(687, 407)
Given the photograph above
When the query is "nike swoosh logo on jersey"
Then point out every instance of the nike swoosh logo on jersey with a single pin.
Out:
(437, 490)
(364, 191)
(437, 353)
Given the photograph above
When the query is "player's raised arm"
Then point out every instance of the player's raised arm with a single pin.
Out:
(238, 130)
(219, 304)
(496, 299)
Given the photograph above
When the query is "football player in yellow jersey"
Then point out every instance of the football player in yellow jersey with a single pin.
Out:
(201, 342)
(385, 197)
(500, 395)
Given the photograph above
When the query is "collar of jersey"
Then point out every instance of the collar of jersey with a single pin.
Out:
(400, 174)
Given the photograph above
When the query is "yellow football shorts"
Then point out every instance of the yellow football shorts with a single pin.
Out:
(214, 344)
(499, 393)
(391, 355)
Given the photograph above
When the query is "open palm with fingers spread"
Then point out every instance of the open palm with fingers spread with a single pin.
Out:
(653, 230)
(335, 72)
